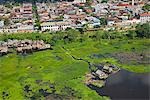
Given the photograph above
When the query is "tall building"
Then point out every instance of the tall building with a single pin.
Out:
(132, 2)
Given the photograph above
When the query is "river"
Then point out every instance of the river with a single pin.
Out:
(126, 85)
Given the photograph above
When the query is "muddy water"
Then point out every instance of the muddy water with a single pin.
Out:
(126, 85)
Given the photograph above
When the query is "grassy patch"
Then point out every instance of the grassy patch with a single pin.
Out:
(59, 68)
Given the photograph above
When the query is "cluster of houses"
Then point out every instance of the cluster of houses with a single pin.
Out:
(102, 72)
(77, 14)
(22, 46)
(123, 13)
(63, 15)
(17, 19)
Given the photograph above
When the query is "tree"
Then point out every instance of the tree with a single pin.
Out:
(69, 91)
(146, 7)
(70, 35)
(143, 30)
(98, 35)
(60, 17)
(131, 34)
(38, 24)
(104, 1)
(83, 29)
(6, 21)
(88, 2)
(103, 21)
(107, 35)
(8, 5)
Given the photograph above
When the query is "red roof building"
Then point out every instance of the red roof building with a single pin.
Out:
(145, 17)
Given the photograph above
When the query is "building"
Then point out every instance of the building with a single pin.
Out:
(79, 1)
(27, 11)
(1, 24)
(127, 23)
(25, 28)
(101, 8)
(132, 2)
(145, 17)
(55, 26)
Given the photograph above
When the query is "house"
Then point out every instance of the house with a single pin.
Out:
(128, 23)
(1, 24)
(16, 17)
(93, 22)
(55, 26)
(27, 11)
(110, 22)
(101, 8)
(75, 17)
(3, 50)
(107, 69)
(2, 12)
(101, 74)
(25, 28)
(145, 17)
(122, 6)
(8, 30)
(79, 1)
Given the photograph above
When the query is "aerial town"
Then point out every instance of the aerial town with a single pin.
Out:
(58, 16)
(74, 49)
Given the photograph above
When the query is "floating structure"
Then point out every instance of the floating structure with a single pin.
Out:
(22, 46)
(103, 71)
(3, 50)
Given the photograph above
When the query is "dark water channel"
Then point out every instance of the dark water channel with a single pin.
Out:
(126, 85)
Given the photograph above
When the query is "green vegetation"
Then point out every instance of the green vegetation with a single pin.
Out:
(131, 34)
(6, 21)
(9, 5)
(57, 74)
(104, 1)
(146, 7)
(54, 67)
(32, 36)
(88, 2)
(103, 21)
(36, 16)
(107, 51)
(143, 31)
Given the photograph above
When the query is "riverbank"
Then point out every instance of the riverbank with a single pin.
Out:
(125, 85)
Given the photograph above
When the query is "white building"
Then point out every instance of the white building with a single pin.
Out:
(145, 17)
(55, 26)
(26, 28)
(100, 8)
(79, 1)
(1, 24)
(127, 23)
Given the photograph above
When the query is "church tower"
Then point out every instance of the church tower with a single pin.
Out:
(132, 2)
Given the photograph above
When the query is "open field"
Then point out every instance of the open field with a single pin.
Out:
(55, 74)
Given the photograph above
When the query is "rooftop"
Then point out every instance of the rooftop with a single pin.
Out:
(145, 14)
(54, 23)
